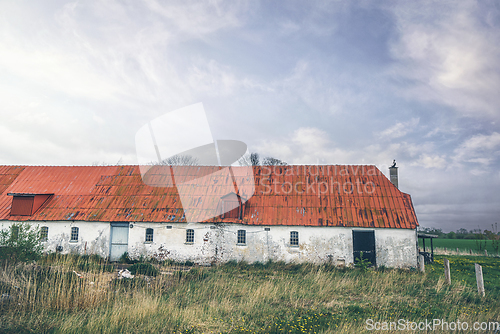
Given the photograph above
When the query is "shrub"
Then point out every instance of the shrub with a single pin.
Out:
(20, 242)
(362, 262)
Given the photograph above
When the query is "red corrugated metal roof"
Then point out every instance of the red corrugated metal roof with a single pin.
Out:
(353, 196)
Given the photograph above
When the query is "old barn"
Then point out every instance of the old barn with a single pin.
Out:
(291, 213)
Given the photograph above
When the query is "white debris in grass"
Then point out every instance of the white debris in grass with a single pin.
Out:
(124, 273)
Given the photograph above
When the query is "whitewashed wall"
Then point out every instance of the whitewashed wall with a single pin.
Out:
(171, 243)
(93, 238)
(394, 247)
(218, 243)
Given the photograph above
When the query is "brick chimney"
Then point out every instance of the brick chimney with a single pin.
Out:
(393, 173)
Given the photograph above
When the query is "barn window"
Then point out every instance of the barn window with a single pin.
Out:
(74, 234)
(27, 204)
(22, 205)
(242, 237)
(149, 235)
(44, 233)
(294, 238)
(231, 206)
(231, 209)
(189, 236)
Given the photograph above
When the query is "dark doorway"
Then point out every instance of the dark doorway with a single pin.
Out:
(364, 241)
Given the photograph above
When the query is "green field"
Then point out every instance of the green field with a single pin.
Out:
(462, 245)
(71, 294)
(462, 269)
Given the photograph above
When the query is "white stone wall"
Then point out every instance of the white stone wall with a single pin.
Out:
(218, 243)
(170, 243)
(396, 247)
(93, 237)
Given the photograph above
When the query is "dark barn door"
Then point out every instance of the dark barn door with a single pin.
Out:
(364, 241)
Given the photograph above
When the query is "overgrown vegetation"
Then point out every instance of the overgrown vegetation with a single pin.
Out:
(72, 294)
(362, 262)
(20, 242)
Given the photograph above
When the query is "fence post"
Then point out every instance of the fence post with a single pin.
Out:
(457, 250)
(421, 263)
(479, 279)
(447, 277)
(470, 251)
(485, 252)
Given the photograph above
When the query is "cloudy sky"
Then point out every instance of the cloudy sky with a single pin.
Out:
(328, 82)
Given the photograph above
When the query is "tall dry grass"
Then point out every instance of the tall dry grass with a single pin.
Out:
(233, 298)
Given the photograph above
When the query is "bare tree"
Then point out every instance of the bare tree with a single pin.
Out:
(251, 159)
(179, 160)
(254, 159)
(270, 161)
(97, 163)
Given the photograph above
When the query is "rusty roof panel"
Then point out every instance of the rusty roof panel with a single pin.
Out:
(356, 196)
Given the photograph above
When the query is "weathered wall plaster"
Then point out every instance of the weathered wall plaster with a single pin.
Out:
(218, 243)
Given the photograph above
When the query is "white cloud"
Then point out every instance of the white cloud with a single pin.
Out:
(318, 90)
(311, 138)
(57, 71)
(200, 18)
(450, 54)
(99, 120)
(70, 69)
(212, 78)
(448, 130)
(479, 149)
(430, 161)
(400, 129)
(310, 145)
(305, 145)
(88, 53)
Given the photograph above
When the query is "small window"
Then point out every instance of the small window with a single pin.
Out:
(149, 235)
(74, 234)
(294, 238)
(190, 236)
(15, 232)
(44, 233)
(242, 237)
